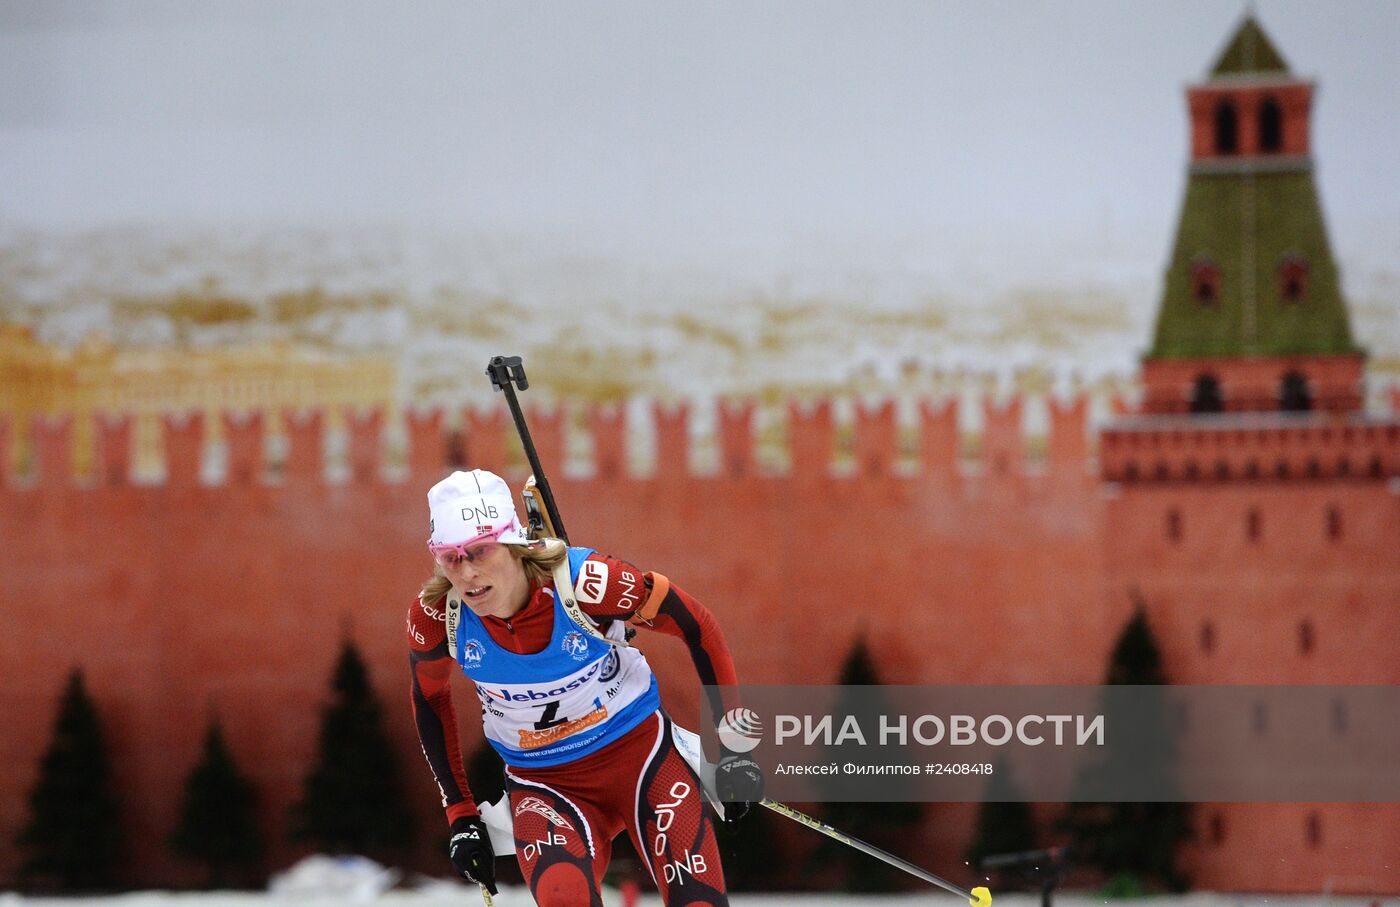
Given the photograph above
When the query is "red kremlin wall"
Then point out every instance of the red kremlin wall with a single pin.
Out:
(185, 599)
(1267, 549)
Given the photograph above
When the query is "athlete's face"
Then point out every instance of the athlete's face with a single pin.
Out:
(489, 580)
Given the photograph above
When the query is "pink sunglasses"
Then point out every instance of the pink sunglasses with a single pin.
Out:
(449, 555)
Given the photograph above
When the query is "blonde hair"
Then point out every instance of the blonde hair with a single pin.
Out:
(537, 562)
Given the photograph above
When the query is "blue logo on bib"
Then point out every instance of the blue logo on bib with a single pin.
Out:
(472, 652)
(576, 645)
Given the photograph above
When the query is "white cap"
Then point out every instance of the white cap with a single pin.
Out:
(473, 505)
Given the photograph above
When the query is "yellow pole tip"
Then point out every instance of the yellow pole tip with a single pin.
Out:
(981, 897)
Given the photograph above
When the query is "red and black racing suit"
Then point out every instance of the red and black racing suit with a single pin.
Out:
(566, 816)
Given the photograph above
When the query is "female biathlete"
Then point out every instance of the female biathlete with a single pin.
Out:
(573, 710)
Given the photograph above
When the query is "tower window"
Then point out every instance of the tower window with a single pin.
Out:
(1226, 127)
(1293, 279)
(1205, 281)
(1306, 638)
(1339, 717)
(1334, 523)
(1174, 525)
(1253, 524)
(1205, 395)
(1217, 829)
(1313, 830)
(1270, 126)
(1294, 396)
(1207, 637)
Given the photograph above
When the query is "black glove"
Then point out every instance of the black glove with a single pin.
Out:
(738, 784)
(471, 852)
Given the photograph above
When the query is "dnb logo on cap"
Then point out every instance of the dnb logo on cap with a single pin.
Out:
(740, 730)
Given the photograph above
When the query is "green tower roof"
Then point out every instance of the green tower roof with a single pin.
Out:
(1246, 226)
(1251, 270)
(1250, 51)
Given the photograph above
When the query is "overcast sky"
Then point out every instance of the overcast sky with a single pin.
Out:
(661, 127)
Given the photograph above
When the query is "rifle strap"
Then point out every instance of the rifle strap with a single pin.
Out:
(564, 588)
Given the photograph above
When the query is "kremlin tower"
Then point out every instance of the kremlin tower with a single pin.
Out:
(1252, 316)
(1253, 506)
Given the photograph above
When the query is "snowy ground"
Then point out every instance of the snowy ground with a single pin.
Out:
(321, 881)
(605, 323)
(326, 880)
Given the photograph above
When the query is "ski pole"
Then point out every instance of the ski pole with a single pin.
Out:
(505, 373)
(977, 897)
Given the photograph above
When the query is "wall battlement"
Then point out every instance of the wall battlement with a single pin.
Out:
(641, 441)
(737, 439)
(1254, 446)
